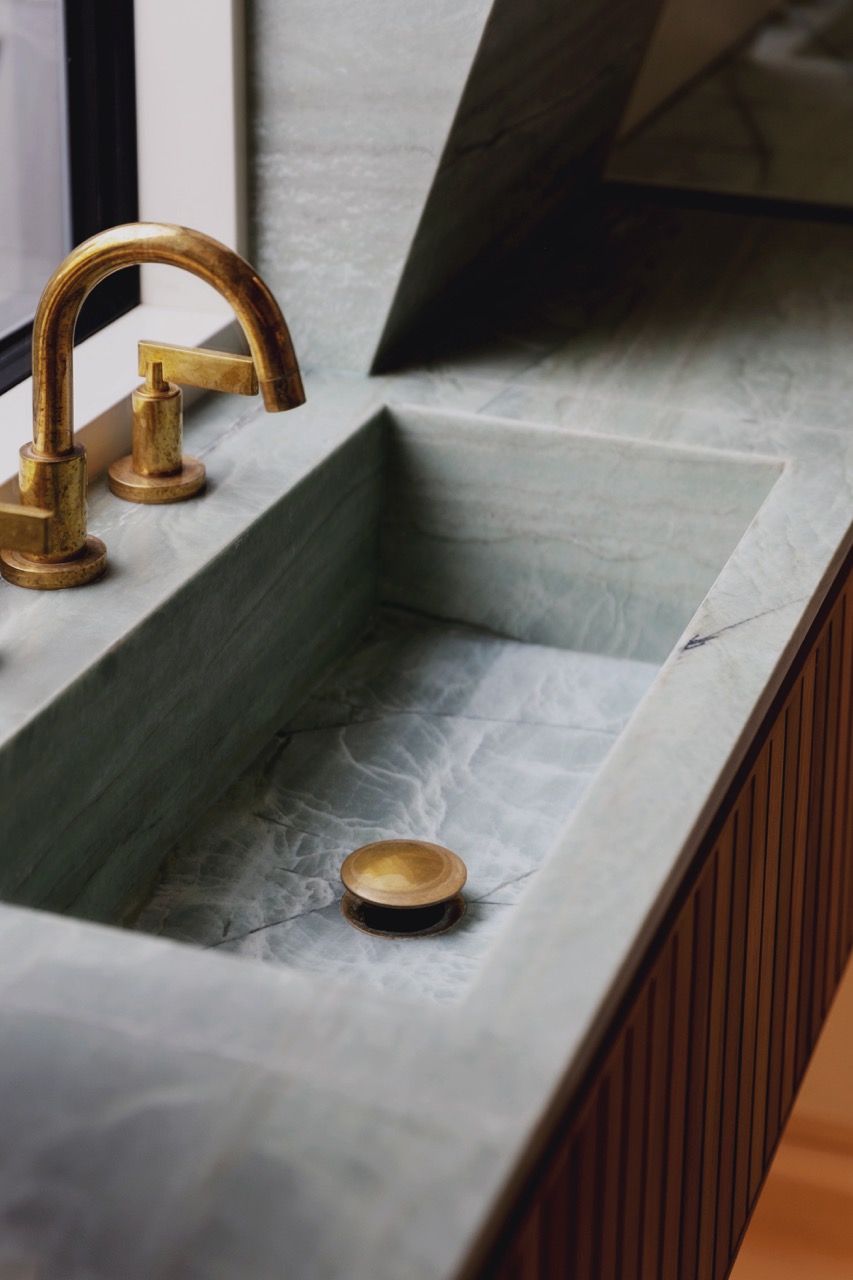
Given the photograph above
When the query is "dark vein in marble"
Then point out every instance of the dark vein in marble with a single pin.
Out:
(497, 787)
(697, 641)
(505, 884)
(270, 924)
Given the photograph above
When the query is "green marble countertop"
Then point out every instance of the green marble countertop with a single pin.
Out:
(175, 1113)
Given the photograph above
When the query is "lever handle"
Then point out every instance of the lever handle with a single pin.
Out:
(25, 528)
(158, 470)
(161, 362)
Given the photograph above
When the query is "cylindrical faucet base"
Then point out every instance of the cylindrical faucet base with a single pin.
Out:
(156, 471)
(157, 431)
(59, 485)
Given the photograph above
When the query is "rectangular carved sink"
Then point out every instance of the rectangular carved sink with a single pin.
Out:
(522, 587)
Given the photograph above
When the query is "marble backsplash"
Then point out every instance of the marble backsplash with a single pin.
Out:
(396, 145)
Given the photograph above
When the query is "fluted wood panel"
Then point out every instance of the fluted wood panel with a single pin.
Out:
(652, 1171)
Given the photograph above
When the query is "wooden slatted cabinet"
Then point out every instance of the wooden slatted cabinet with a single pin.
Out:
(653, 1171)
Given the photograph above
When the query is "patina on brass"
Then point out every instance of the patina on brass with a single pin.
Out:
(24, 528)
(53, 468)
(403, 888)
(158, 470)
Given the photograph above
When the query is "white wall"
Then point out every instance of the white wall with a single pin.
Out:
(190, 89)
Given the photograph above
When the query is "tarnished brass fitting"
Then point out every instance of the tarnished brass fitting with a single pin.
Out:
(25, 528)
(57, 484)
(53, 467)
(158, 470)
(403, 888)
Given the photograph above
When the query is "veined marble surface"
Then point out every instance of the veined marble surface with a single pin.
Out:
(451, 129)
(594, 543)
(429, 730)
(774, 119)
(539, 108)
(184, 1114)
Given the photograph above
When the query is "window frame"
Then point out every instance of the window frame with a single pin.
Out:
(201, 94)
(100, 98)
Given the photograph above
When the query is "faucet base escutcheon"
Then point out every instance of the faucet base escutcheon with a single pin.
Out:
(23, 570)
(127, 483)
(55, 482)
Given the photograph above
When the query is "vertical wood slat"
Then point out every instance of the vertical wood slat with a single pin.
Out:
(655, 1167)
(792, 987)
(825, 852)
(790, 722)
(630, 1226)
(846, 938)
(724, 855)
(658, 1068)
(681, 961)
(841, 835)
(814, 837)
(609, 1210)
(586, 1185)
(696, 1034)
(734, 1008)
(760, 1083)
(555, 1220)
(752, 970)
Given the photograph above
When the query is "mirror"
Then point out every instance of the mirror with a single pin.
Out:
(772, 119)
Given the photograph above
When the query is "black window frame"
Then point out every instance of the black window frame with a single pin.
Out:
(101, 94)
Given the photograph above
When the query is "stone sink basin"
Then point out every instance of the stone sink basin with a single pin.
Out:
(480, 608)
(549, 651)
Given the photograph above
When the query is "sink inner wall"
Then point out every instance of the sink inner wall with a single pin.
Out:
(528, 583)
(428, 729)
(581, 541)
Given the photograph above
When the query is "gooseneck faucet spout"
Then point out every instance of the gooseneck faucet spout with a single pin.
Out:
(53, 467)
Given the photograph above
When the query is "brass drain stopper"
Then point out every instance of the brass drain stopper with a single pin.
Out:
(403, 888)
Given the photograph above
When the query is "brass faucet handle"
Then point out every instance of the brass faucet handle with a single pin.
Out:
(161, 362)
(25, 528)
(158, 470)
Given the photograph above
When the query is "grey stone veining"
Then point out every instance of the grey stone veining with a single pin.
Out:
(430, 730)
(570, 543)
(182, 1113)
(587, 542)
(450, 127)
(230, 665)
(540, 107)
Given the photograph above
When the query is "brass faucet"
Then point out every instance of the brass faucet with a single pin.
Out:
(25, 528)
(53, 467)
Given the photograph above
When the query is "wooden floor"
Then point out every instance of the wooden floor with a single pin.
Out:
(802, 1228)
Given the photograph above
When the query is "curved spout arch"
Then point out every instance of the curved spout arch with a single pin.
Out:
(129, 245)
